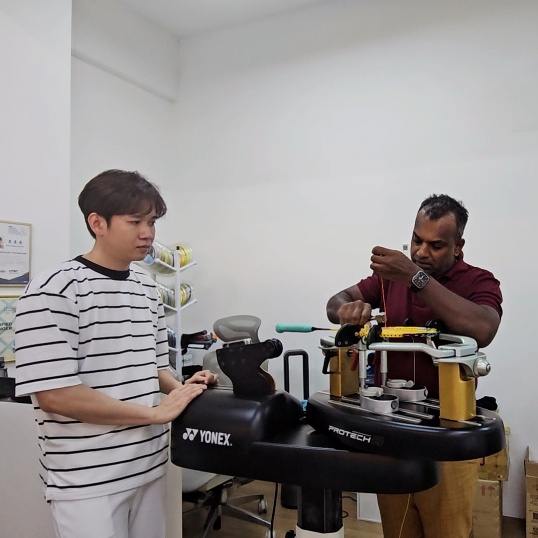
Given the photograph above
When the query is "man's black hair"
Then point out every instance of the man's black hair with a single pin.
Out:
(119, 192)
(439, 205)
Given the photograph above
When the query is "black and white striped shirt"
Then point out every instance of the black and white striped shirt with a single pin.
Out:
(83, 323)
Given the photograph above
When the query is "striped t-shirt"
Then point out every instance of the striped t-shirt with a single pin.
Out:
(83, 323)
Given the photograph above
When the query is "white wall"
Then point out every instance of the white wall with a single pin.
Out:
(121, 101)
(115, 125)
(126, 45)
(35, 42)
(34, 132)
(305, 140)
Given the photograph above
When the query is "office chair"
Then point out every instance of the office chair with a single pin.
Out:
(211, 491)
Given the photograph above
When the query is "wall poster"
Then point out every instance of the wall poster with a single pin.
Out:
(15, 239)
(8, 304)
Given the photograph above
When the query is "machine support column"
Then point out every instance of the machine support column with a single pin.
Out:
(320, 511)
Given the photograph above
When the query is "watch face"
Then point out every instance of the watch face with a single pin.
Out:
(420, 280)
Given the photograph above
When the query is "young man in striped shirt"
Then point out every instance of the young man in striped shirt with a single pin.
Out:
(92, 352)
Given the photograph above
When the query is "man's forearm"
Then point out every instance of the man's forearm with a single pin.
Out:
(83, 403)
(460, 315)
(334, 304)
(167, 382)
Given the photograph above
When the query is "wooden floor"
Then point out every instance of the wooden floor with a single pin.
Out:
(286, 519)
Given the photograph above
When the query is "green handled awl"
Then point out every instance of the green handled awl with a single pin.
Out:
(285, 328)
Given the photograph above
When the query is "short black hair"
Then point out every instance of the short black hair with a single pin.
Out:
(439, 205)
(119, 192)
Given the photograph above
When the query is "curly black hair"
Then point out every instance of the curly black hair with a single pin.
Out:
(439, 205)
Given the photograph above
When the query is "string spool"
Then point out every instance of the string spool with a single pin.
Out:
(167, 295)
(185, 255)
(185, 293)
(162, 253)
(172, 340)
(159, 259)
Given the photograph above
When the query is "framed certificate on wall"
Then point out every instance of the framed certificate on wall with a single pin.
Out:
(15, 243)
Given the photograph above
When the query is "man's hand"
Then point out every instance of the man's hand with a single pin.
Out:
(348, 306)
(392, 265)
(174, 403)
(207, 377)
(356, 312)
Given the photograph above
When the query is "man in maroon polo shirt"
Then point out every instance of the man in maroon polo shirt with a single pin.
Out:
(433, 284)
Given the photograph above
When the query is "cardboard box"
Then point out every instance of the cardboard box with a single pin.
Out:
(496, 466)
(532, 525)
(487, 512)
(531, 493)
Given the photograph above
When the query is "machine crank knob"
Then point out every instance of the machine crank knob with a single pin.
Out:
(274, 347)
(481, 367)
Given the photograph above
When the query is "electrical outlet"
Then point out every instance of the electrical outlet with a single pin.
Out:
(405, 249)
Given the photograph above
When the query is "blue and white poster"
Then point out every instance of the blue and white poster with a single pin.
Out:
(8, 306)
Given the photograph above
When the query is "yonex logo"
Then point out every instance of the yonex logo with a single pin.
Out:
(208, 437)
(190, 434)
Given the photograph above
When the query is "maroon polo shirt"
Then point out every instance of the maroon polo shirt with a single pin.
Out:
(472, 283)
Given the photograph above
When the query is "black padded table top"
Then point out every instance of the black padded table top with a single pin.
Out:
(264, 438)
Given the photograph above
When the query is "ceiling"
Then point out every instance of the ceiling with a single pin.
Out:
(186, 18)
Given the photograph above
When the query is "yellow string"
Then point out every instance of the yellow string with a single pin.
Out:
(405, 515)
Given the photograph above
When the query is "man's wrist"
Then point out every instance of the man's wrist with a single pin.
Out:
(419, 281)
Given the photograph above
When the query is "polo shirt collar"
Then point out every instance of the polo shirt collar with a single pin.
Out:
(458, 267)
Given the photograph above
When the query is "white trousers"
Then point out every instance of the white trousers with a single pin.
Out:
(135, 513)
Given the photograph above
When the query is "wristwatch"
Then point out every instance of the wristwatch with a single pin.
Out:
(419, 281)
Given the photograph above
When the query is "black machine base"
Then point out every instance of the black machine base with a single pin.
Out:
(415, 431)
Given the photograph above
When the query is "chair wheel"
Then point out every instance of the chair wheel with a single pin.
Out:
(290, 534)
(262, 507)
